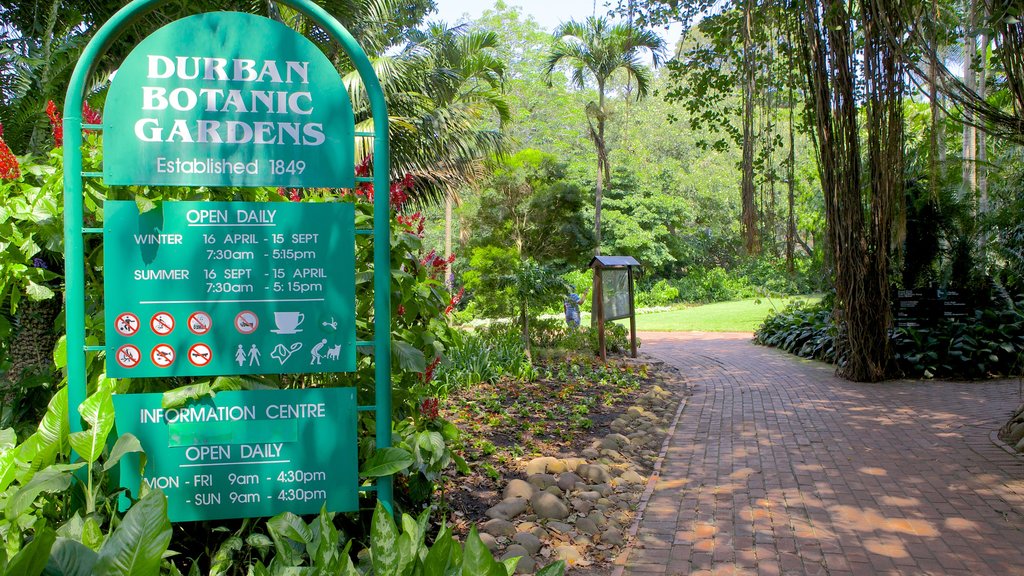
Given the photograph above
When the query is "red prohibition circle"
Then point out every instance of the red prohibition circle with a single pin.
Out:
(127, 324)
(199, 323)
(246, 322)
(162, 323)
(162, 355)
(200, 355)
(128, 356)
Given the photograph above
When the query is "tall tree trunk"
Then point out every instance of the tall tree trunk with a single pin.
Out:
(970, 143)
(448, 278)
(602, 168)
(860, 248)
(982, 155)
(749, 209)
(791, 188)
(933, 102)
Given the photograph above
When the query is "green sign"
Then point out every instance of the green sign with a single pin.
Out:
(218, 288)
(228, 99)
(244, 454)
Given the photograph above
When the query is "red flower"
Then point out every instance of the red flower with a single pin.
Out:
(401, 310)
(89, 115)
(56, 124)
(9, 169)
(428, 408)
(400, 192)
(454, 301)
(294, 196)
(428, 374)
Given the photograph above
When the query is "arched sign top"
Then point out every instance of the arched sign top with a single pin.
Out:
(199, 104)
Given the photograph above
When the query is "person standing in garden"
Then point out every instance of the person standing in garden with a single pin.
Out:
(572, 309)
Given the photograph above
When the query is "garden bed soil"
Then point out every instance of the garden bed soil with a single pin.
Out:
(566, 413)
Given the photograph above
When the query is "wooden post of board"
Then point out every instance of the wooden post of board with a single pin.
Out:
(599, 300)
(632, 314)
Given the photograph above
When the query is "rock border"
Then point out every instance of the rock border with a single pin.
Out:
(586, 508)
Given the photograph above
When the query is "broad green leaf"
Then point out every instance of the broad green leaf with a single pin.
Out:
(50, 479)
(53, 428)
(60, 352)
(98, 412)
(384, 542)
(139, 542)
(8, 439)
(439, 555)
(38, 291)
(31, 560)
(386, 461)
(92, 533)
(126, 443)
(143, 203)
(510, 564)
(223, 559)
(180, 396)
(70, 558)
(323, 547)
(407, 357)
(478, 560)
(553, 569)
(290, 535)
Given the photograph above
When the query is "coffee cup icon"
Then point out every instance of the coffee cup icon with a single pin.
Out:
(288, 322)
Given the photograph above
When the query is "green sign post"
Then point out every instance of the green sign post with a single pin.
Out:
(215, 288)
(219, 288)
(245, 454)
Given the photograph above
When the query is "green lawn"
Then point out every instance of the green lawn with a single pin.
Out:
(738, 316)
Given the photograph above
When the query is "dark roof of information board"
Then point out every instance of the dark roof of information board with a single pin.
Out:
(613, 261)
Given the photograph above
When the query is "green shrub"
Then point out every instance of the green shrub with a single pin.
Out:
(987, 345)
(662, 293)
(801, 329)
(713, 285)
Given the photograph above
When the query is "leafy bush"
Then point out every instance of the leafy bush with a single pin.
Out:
(482, 356)
(713, 285)
(801, 329)
(989, 344)
(662, 293)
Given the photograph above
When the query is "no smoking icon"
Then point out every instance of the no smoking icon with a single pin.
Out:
(199, 355)
(162, 355)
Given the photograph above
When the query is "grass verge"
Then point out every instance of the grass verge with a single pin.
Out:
(737, 316)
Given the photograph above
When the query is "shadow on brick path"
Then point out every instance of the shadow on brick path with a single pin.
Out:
(779, 467)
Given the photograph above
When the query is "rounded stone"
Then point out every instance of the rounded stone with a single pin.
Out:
(568, 481)
(557, 467)
(514, 551)
(488, 541)
(582, 506)
(560, 527)
(507, 509)
(568, 553)
(631, 477)
(498, 527)
(612, 536)
(586, 525)
(541, 481)
(528, 541)
(594, 473)
(547, 505)
(538, 465)
(517, 488)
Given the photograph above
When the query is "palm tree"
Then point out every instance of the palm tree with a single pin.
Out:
(596, 49)
(445, 101)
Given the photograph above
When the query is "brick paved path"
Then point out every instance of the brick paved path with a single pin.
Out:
(778, 467)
